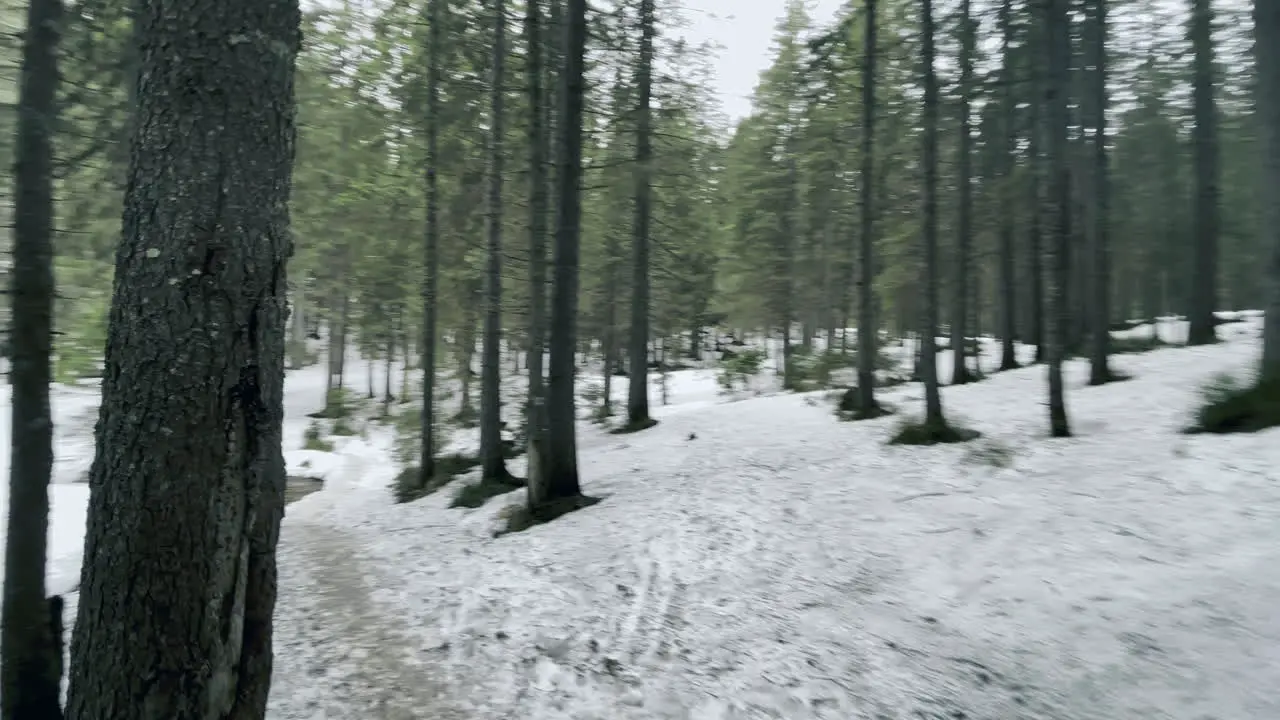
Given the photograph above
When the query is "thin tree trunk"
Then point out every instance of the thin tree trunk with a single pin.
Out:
(1058, 34)
(867, 325)
(1266, 19)
(1035, 152)
(638, 376)
(1100, 334)
(928, 356)
(493, 465)
(436, 10)
(179, 579)
(960, 312)
(31, 639)
(1008, 294)
(1207, 193)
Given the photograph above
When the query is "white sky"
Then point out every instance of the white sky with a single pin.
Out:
(744, 30)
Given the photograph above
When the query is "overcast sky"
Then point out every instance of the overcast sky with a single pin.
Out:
(744, 29)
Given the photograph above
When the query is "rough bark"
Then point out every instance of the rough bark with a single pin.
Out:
(30, 642)
(179, 579)
(560, 478)
(638, 370)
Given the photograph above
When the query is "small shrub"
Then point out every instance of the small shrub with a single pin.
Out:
(813, 370)
(337, 404)
(738, 368)
(408, 485)
(313, 439)
(915, 432)
(1228, 406)
(343, 426)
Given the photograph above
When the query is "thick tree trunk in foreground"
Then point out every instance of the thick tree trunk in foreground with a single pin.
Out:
(960, 310)
(30, 645)
(560, 469)
(179, 579)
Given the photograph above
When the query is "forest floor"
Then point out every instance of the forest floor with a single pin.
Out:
(759, 559)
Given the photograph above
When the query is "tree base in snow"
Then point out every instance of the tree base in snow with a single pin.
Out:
(849, 407)
(643, 424)
(476, 494)
(921, 433)
(408, 485)
(519, 518)
(1111, 376)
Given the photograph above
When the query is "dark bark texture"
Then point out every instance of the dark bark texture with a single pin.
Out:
(535, 38)
(928, 352)
(179, 580)
(30, 644)
(560, 467)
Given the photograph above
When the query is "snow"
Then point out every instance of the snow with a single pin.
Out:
(758, 559)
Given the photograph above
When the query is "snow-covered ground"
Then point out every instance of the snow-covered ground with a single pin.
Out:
(758, 559)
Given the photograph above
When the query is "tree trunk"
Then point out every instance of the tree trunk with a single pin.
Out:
(179, 579)
(1100, 330)
(928, 354)
(1266, 18)
(492, 464)
(560, 478)
(535, 37)
(1008, 296)
(867, 325)
(30, 649)
(1205, 143)
(638, 372)
(1035, 153)
(1058, 34)
(436, 10)
(960, 313)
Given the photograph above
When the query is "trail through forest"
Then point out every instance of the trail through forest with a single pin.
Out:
(343, 636)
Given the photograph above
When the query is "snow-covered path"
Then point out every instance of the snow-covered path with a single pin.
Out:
(784, 565)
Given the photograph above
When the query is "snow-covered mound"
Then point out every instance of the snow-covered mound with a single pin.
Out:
(781, 564)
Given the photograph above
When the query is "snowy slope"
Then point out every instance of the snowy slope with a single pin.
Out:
(783, 565)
